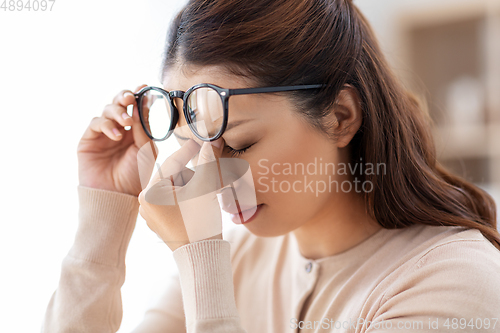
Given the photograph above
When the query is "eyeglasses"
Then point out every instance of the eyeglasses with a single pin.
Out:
(205, 108)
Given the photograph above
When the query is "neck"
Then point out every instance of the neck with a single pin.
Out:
(337, 228)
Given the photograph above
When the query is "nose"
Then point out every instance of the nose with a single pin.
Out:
(232, 204)
(228, 200)
(238, 194)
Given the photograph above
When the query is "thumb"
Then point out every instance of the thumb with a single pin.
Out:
(146, 158)
(140, 136)
(138, 133)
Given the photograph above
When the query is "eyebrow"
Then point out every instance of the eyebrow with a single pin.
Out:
(229, 127)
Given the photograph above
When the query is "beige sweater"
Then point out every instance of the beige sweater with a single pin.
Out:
(416, 279)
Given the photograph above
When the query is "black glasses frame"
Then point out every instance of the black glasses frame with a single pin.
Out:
(224, 95)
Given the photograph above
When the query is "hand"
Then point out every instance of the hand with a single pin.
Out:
(180, 205)
(107, 153)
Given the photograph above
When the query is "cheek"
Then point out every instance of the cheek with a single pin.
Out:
(290, 173)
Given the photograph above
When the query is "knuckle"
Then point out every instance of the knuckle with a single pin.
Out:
(120, 94)
(107, 122)
(108, 107)
(94, 122)
(109, 110)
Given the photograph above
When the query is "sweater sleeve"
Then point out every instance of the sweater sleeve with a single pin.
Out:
(207, 287)
(168, 310)
(88, 297)
(454, 287)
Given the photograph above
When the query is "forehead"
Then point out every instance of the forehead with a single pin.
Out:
(182, 77)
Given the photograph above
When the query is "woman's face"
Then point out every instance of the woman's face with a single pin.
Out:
(283, 150)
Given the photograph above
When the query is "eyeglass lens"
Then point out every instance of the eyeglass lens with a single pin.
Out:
(156, 113)
(204, 107)
(205, 111)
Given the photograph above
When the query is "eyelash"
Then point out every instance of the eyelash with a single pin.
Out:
(237, 152)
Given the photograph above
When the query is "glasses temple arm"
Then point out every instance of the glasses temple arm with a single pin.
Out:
(245, 91)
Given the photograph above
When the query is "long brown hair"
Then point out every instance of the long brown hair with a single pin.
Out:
(289, 42)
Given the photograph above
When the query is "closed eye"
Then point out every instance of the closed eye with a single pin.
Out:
(237, 152)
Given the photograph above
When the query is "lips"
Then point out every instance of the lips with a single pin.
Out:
(232, 208)
(246, 216)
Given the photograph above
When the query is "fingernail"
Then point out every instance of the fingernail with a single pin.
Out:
(127, 93)
(125, 115)
(117, 132)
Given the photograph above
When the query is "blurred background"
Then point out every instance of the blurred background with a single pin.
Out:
(448, 52)
(59, 68)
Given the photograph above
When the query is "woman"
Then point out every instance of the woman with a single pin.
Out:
(392, 242)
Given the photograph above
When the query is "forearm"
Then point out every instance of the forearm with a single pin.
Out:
(88, 297)
(207, 287)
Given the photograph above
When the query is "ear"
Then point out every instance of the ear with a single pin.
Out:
(347, 115)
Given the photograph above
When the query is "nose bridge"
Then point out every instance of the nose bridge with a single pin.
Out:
(177, 99)
(177, 94)
(178, 103)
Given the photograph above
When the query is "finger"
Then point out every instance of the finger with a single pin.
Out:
(161, 193)
(103, 125)
(119, 98)
(124, 98)
(138, 132)
(146, 160)
(206, 170)
(183, 177)
(135, 115)
(118, 114)
(176, 162)
(140, 87)
(127, 100)
(135, 91)
(186, 176)
(205, 208)
(161, 190)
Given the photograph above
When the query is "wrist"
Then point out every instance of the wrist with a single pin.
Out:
(106, 222)
(175, 245)
(206, 280)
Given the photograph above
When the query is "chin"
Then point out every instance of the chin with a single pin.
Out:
(264, 228)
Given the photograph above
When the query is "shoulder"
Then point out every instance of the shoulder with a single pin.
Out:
(453, 276)
(466, 245)
(465, 252)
